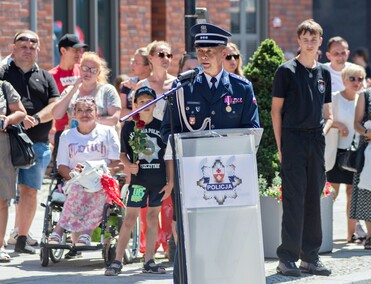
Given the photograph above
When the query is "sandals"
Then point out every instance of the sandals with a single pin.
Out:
(114, 269)
(151, 267)
(4, 256)
(355, 240)
(54, 239)
(368, 243)
(83, 240)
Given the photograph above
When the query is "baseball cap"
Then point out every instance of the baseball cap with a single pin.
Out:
(70, 40)
(144, 91)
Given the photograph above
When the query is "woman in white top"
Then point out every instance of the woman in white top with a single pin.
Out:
(160, 57)
(93, 84)
(343, 103)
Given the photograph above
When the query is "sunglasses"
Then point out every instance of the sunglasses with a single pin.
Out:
(235, 56)
(163, 54)
(359, 79)
(26, 38)
(92, 70)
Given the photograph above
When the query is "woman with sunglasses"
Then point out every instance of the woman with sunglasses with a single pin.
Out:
(93, 84)
(159, 57)
(232, 62)
(343, 104)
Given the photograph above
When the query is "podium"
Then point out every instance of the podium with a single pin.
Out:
(218, 186)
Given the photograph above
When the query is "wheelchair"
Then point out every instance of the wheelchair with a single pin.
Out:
(108, 229)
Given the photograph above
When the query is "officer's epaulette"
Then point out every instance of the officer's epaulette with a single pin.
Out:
(239, 77)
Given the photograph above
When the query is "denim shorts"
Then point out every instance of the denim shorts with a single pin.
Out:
(139, 196)
(33, 177)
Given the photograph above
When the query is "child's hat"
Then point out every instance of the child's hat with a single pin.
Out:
(144, 91)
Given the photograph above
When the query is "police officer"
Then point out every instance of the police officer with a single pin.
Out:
(215, 99)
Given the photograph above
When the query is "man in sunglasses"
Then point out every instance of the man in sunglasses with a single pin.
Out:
(39, 92)
(215, 99)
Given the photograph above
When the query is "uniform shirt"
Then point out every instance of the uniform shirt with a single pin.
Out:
(233, 105)
(151, 174)
(304, 96)
(36, 87)
(63, 79)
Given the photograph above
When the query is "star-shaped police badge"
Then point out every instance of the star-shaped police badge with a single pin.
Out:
(219, 182)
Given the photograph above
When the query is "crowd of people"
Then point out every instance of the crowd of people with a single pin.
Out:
(75, 102)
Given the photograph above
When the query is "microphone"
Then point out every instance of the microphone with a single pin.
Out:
(190, 73)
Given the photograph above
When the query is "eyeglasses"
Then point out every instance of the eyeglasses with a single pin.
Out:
(92, 70)
(336, 54)
(26, 38)
(163, 54)
(235, 56)
(359, 79)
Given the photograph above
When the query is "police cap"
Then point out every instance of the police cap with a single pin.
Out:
(208, 35)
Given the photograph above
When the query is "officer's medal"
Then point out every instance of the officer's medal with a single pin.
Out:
(192, 119)
(228, 101)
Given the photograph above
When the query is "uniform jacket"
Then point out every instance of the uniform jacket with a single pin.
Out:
(233, 106)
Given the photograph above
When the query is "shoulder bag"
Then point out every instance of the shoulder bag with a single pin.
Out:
(21, 149)
(354, 158)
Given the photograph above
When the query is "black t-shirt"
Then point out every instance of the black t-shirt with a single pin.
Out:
(36, 87)
(305, 91)
(152, 173)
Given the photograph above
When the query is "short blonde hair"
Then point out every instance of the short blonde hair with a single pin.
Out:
(352, 69)
(104, 71)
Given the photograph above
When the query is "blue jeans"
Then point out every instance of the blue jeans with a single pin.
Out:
(33, 177)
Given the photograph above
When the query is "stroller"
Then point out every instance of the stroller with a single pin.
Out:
(108, 229)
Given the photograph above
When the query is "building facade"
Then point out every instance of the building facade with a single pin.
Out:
(116, 28)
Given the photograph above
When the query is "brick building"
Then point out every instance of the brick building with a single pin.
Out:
(115, 28)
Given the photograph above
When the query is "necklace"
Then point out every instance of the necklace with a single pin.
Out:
(309, 72)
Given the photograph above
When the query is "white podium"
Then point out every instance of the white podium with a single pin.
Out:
(220, 206)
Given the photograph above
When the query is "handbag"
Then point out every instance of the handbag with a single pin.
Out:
(21, 149)
(353, 159)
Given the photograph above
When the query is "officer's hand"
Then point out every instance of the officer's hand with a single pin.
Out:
(134, 168)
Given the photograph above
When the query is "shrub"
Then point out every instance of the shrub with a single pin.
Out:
(260, 71)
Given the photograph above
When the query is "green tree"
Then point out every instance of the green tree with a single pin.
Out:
(260, 71)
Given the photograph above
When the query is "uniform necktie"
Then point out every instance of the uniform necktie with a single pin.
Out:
(213, 86)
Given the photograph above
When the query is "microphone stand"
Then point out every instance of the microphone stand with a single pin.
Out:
(178, 212)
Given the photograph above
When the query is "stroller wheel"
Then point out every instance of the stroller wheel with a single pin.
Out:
(44, 256)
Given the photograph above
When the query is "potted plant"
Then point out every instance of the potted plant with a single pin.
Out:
(271, 215)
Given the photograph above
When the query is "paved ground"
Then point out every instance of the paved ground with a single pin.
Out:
(350, 262)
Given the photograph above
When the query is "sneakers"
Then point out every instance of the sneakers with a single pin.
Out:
(14, 235)
(315, 267)
(21, 246)
(288, 268)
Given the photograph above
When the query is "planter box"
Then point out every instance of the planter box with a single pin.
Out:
(271, 216)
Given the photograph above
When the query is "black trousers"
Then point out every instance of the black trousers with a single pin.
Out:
(303, 179)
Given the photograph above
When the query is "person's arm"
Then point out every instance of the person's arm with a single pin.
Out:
(61, 106)
(276, 114)
(16, 108)
(169, 179)
(133, 168)
(112, 101)
(358, 118)
(327, 114)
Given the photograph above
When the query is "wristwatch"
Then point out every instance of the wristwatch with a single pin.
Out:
(37, 117)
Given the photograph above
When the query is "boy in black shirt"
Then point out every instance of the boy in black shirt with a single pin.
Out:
(148, 180)
(301, 116)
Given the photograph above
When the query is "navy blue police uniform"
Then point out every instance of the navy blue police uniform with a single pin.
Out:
(302, 149)
(233, 105)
